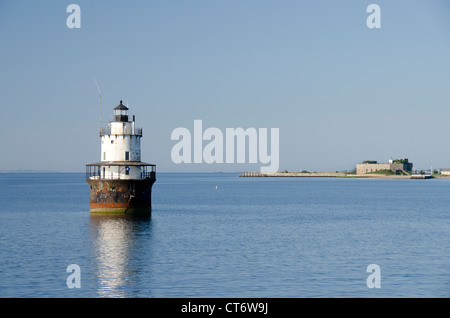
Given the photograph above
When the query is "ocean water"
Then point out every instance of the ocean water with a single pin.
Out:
(218, 235)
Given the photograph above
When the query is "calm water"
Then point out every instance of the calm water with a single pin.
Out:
(250, 237)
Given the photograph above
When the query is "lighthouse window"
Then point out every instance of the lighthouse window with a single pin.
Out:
(127, 155)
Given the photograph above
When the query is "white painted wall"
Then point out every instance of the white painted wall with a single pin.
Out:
(119, 172)
(115, 146)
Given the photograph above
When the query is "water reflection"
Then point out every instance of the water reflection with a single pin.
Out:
(119, 242)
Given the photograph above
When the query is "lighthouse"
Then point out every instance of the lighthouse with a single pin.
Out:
(121, 182)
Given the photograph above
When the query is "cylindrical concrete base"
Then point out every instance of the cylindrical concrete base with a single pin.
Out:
(128, 196)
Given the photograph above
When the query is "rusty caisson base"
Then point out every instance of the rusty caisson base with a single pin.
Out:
(127, 196)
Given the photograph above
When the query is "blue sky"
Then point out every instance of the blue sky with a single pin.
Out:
(339, 92)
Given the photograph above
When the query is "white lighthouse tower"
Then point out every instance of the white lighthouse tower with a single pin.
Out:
(121, 142)
(120, 182)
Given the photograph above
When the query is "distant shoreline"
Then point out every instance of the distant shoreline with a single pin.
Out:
(318, 174)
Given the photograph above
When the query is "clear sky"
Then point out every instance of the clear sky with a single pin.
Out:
(339, 92)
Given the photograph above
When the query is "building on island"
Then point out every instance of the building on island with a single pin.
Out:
(445, 171)
(120, 182)
(398, 166)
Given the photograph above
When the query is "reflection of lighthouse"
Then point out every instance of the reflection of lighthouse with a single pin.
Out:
(118, 243)
(120, 182)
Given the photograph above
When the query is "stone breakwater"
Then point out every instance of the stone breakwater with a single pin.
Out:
(295, 174)
(332, 175)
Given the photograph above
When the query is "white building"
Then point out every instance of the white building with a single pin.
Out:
(121, 143)
(120, 149)
(120, 182)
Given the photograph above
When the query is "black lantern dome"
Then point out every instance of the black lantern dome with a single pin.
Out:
(121, 113)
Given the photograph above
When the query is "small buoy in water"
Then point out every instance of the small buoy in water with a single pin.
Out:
(216, 187)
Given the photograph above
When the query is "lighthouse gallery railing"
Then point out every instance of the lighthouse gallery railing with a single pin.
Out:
(125, 131)
(94, 172)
